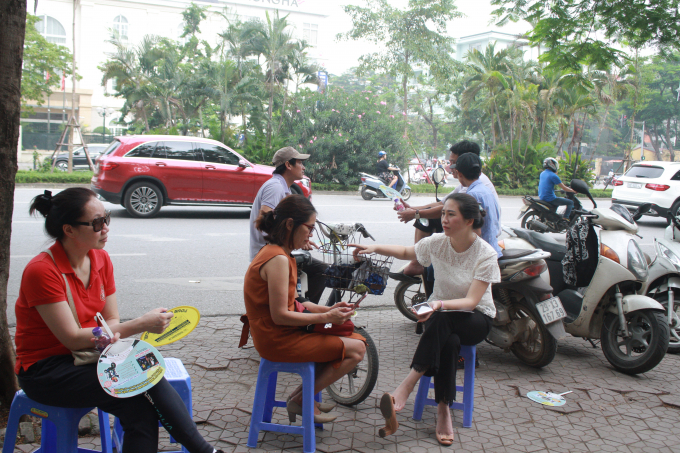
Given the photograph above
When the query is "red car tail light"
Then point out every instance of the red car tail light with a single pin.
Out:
(106, 166)
(617, 182)
(363, 179)
(657, 187)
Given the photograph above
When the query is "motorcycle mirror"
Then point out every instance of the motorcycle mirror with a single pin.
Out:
(581, 187)
(438, 175)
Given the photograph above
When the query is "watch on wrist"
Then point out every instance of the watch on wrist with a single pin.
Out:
(417, 215)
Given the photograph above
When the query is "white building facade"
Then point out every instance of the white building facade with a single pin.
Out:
(480, 41)
(133, 19)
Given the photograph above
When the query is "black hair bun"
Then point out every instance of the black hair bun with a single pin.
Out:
(43, 203)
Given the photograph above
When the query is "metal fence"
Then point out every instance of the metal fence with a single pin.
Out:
(47, 142)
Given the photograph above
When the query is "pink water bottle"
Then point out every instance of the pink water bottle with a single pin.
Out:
(398, 204)
(101, 340)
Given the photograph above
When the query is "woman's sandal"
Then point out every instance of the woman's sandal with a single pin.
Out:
(445, 439)
(387, 409)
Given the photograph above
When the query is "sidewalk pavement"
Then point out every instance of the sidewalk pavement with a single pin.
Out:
(607, 411)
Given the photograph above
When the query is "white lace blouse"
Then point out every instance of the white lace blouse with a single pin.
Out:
(454, 272)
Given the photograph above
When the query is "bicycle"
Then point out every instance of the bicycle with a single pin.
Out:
(345, 275)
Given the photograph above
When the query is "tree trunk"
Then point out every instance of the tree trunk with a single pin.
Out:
(200, 116)
(655, 143)
(12, 29)
(405, 90)
(498, 117)
(599, 134)
(668, 140)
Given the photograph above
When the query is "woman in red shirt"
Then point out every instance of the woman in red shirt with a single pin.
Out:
(47, 331)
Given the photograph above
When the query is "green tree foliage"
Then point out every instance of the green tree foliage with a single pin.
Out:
(411, 39)
(584, 32)
(507, 170)
(343, 133)
(40, 59)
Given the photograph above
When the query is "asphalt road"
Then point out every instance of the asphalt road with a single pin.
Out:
(198, 256)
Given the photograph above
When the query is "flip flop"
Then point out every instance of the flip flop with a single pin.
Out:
(387, 409)
(445, 439)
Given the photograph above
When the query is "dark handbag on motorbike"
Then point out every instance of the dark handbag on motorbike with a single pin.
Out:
(341, 330)
(81, 356)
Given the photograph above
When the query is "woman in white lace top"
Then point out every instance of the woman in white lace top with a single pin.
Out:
(462, 306)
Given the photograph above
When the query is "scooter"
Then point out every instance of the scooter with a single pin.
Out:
(633, 328)
(663, 283)
(541, 216)
(370, 186)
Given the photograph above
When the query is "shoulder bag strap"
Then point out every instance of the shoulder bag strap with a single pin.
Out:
(69, 296)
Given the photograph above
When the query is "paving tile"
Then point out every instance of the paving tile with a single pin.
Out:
(607, 411)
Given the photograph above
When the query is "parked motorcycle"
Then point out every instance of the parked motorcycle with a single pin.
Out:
(541, 216)
(633, 328)
(370, 186)
(664, 278)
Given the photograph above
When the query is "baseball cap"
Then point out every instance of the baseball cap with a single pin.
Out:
(469, 164)
(285, 154)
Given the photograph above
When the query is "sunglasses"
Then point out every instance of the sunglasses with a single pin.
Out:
(311, 228)
(98, 223)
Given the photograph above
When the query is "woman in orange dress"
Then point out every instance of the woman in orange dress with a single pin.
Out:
(269, 293)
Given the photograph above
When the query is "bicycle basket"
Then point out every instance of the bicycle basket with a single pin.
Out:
(345, 273)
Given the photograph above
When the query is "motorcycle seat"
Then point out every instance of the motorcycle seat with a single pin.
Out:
(543, 242)
(545, 204)
(515, 253)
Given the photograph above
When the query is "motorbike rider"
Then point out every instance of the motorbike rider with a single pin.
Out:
(384, 171)
(433, 211)
(289, 168)
(547, 183)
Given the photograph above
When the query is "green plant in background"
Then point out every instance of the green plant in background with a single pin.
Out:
(523, 171)
(343, 133)
(575, 166)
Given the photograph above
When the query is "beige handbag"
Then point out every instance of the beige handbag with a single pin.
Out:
(81, 356)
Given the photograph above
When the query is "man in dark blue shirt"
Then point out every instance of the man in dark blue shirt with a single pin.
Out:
(547, 183)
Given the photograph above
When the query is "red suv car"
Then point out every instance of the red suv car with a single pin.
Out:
(146, 172)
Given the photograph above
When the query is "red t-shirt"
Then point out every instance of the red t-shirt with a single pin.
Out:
(42, 283)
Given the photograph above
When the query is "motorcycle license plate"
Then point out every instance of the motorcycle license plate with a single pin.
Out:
(522, 210)
(551, 310)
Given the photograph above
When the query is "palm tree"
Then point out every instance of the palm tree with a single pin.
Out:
(275, 44)
(490, 71)
(132, 69)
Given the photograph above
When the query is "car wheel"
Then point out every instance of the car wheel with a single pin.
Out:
(62, 165)
(143, 199)
(295, 189)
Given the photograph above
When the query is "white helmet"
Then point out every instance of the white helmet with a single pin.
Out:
(551, 163)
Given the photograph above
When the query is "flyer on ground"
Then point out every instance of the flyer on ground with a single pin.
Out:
(185, 320)
(129, 367)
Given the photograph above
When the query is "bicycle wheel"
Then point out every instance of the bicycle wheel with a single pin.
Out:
(355, 386)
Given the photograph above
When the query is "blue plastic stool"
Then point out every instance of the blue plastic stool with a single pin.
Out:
(264, 403)
(59, 426)
(469, 353)
(180, 380)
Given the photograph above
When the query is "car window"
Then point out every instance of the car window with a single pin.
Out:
(111, 148)
(217, 154)
(676, 176)
(175, 150)
(143, 150)
(644, 171)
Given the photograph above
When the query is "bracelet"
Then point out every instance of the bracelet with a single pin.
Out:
(441, 305)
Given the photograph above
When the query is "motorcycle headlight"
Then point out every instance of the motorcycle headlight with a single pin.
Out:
(669, 255)
(637, 263)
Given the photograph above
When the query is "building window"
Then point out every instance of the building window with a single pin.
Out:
(310, 33)
(51, 30)
(120, 26)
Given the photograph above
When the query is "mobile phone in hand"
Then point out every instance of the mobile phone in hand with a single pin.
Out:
(422, 308)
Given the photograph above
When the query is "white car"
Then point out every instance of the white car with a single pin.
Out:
(652, 182)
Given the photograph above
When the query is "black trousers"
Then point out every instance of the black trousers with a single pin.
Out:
(316, 282)
(56, 381)
(437, 351)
